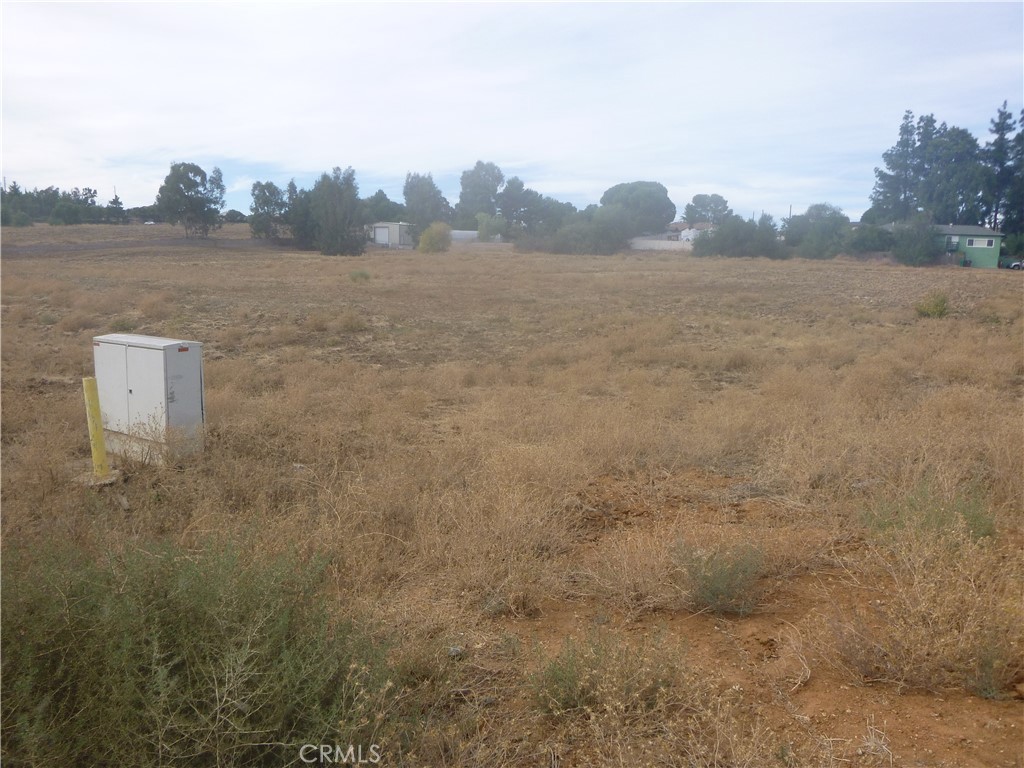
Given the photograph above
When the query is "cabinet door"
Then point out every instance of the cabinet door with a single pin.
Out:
(185, 388)
(147, 397)
(111, 376)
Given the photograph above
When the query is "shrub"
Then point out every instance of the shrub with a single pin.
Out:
(359, 276)
(950, 618)
(915, 244)
(599, 676)
(638, 698)
(935, 304)
(722, 579)
(436, 238)
(736, 237)
(166, 656)
(600, 230)
(924, 509)
(122, 325)
(867, 239)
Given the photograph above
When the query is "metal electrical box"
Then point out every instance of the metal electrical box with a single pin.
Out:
(151, 394)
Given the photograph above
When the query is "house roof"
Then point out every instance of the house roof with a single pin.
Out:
(965, 229)
(954, 229)
(682, 226)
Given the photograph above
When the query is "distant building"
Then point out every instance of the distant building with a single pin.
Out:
(966, 244)
(973, 246)
(391, 234)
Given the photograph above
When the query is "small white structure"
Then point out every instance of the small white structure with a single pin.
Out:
(392, 234)
(151, 394)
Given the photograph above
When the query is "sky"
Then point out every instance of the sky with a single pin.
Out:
(774, 106)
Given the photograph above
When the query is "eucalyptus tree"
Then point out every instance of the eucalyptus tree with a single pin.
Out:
(191, 198)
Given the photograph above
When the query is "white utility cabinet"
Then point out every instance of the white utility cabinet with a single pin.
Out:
(151, 394)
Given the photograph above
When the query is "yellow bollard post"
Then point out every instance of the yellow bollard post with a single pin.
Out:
(100, 466)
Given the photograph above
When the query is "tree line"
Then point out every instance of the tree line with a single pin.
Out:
(330, 216)
(934, 174)
(942, 174)
(20, 208)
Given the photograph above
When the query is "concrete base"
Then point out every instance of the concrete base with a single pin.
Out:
(90, 480)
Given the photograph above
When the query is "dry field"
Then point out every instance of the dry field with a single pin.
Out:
(630, 510)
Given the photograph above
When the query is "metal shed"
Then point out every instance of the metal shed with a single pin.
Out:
(392, 234)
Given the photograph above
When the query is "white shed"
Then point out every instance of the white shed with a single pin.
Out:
(151, 394)
(392, 234)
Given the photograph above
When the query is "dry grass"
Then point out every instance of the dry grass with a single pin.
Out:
(479, 441)
(949, 615)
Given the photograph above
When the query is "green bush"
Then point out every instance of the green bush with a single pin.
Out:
(1014, 245)
(122, 325)
(436, 238)
(867, 239)
(722, 579)
(168, 657)
(600, 675)
(736, 237)
(914, 243)
(925, 510)
(19, 219)
(935, 304)
(359, 276)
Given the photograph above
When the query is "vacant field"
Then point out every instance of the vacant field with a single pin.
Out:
(629, 510)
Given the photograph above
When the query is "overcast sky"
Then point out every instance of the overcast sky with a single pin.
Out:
(775, 106)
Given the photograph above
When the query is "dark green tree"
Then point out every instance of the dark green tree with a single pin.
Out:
(11, 199)
(424, 203)
(144, 213)
(513, 200)
(334, 201)
(191, 198)
(734, 236)
(894, 197)
(479, 194)
(529, 213)
(115, 210)
(766, 241)
(646, 203)
(712, 209)
(77, 206)
(379, 207)
(602, 230)
(867, 238)
(914, 242)
(818, 233)
(952, 178)
(300, 217)
(66, 212)
(268, 212)
(44, 201)
(998, 156)
(1013, 210)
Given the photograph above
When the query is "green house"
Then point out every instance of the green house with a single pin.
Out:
(970, 246)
